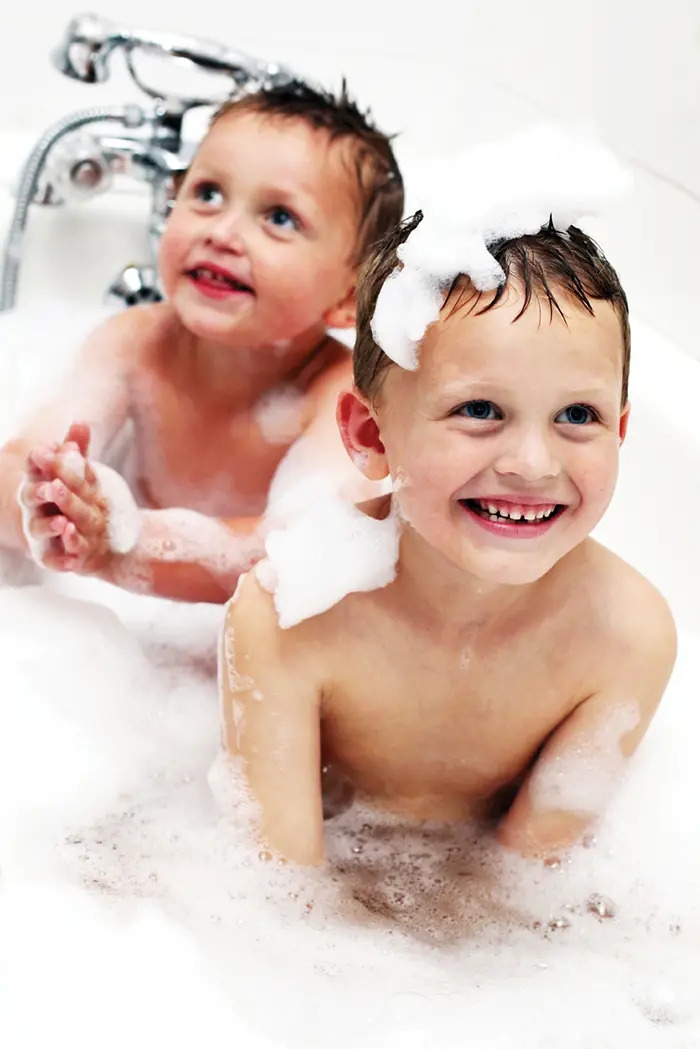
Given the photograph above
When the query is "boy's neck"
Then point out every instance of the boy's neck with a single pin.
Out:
(447, 599)
(239, 375)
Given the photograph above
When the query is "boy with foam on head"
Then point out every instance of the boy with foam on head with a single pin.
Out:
(488, 658)
(259, 258)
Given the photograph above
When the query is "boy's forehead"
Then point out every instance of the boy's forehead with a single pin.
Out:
(306, 151)
(511, 339)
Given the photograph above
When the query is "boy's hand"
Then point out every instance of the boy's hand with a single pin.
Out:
(66, 517)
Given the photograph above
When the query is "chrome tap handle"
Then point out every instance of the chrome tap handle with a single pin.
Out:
(89, 42)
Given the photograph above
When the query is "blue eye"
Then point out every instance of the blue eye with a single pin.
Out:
(483, 410)
(208, 193)
(283, 218)
(578, 415)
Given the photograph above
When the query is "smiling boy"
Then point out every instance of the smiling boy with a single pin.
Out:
(259, 258)
(513, 664)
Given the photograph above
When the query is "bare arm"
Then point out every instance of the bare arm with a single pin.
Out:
(579, 768)
(185, 556)
(271, 711)
(95, 391)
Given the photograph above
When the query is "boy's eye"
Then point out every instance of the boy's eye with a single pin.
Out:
(283, 218)
(208, 193)
(484, 410)
(577, 415)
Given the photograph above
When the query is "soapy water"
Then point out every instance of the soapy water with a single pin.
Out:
(135, 906)
(128, 871)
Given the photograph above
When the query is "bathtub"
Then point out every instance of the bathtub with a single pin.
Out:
(132, 912)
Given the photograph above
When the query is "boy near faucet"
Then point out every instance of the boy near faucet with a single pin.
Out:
(258, 260)
(511, 664)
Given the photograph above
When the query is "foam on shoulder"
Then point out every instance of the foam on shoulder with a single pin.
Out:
(322, 554)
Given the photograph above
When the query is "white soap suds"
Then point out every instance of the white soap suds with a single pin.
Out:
(279, 415)
(583, 779)
(123, 520)
(324, 553)
(488, 193)
(180, 536)
(37, 547)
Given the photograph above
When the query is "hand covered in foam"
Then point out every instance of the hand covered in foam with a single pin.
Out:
(76, 515)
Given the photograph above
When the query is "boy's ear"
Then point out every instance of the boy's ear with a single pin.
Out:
(360, 432)
(344, 313)
(624, 420)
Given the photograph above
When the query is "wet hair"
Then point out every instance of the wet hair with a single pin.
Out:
(379, 181)
(544, 264)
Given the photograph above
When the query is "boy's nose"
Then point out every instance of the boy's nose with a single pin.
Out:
(529, 456)
(226, 232)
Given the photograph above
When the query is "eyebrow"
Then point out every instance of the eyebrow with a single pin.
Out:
(458, 388)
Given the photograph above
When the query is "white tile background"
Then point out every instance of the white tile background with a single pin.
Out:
(442, 74)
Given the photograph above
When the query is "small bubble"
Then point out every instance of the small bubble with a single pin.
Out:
(601, 907)
(357, 849)
(553, 862)
(265, 855)
(555, 924)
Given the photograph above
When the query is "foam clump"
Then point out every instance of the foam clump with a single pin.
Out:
(583, 780)
(323, 553)
(123, 522)
(492, 192)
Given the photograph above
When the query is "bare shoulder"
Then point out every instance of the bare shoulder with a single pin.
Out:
(334, 374)
(639, 627)
(251, 612)
(251, 615)
(125, 338)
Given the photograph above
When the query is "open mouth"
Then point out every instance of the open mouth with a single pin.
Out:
(217, 281)
(513, 518)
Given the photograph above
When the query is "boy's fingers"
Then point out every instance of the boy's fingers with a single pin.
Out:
(70, 467)
(79, 434)
(29, 495)
(59, 561)
(73, 543)
(47, 527)
(86, 519)
(41, 460)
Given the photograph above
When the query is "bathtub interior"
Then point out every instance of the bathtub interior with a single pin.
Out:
(127, 895)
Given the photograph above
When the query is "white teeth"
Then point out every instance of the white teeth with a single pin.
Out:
(497, 514)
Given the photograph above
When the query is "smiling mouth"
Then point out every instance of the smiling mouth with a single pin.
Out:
(216, 279)
(506, 513)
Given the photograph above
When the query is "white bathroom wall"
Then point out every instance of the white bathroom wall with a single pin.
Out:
(449, 73)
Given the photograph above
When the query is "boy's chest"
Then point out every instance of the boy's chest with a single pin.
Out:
(217, 462)
(439, 723)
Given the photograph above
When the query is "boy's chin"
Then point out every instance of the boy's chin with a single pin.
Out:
(516, 569)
